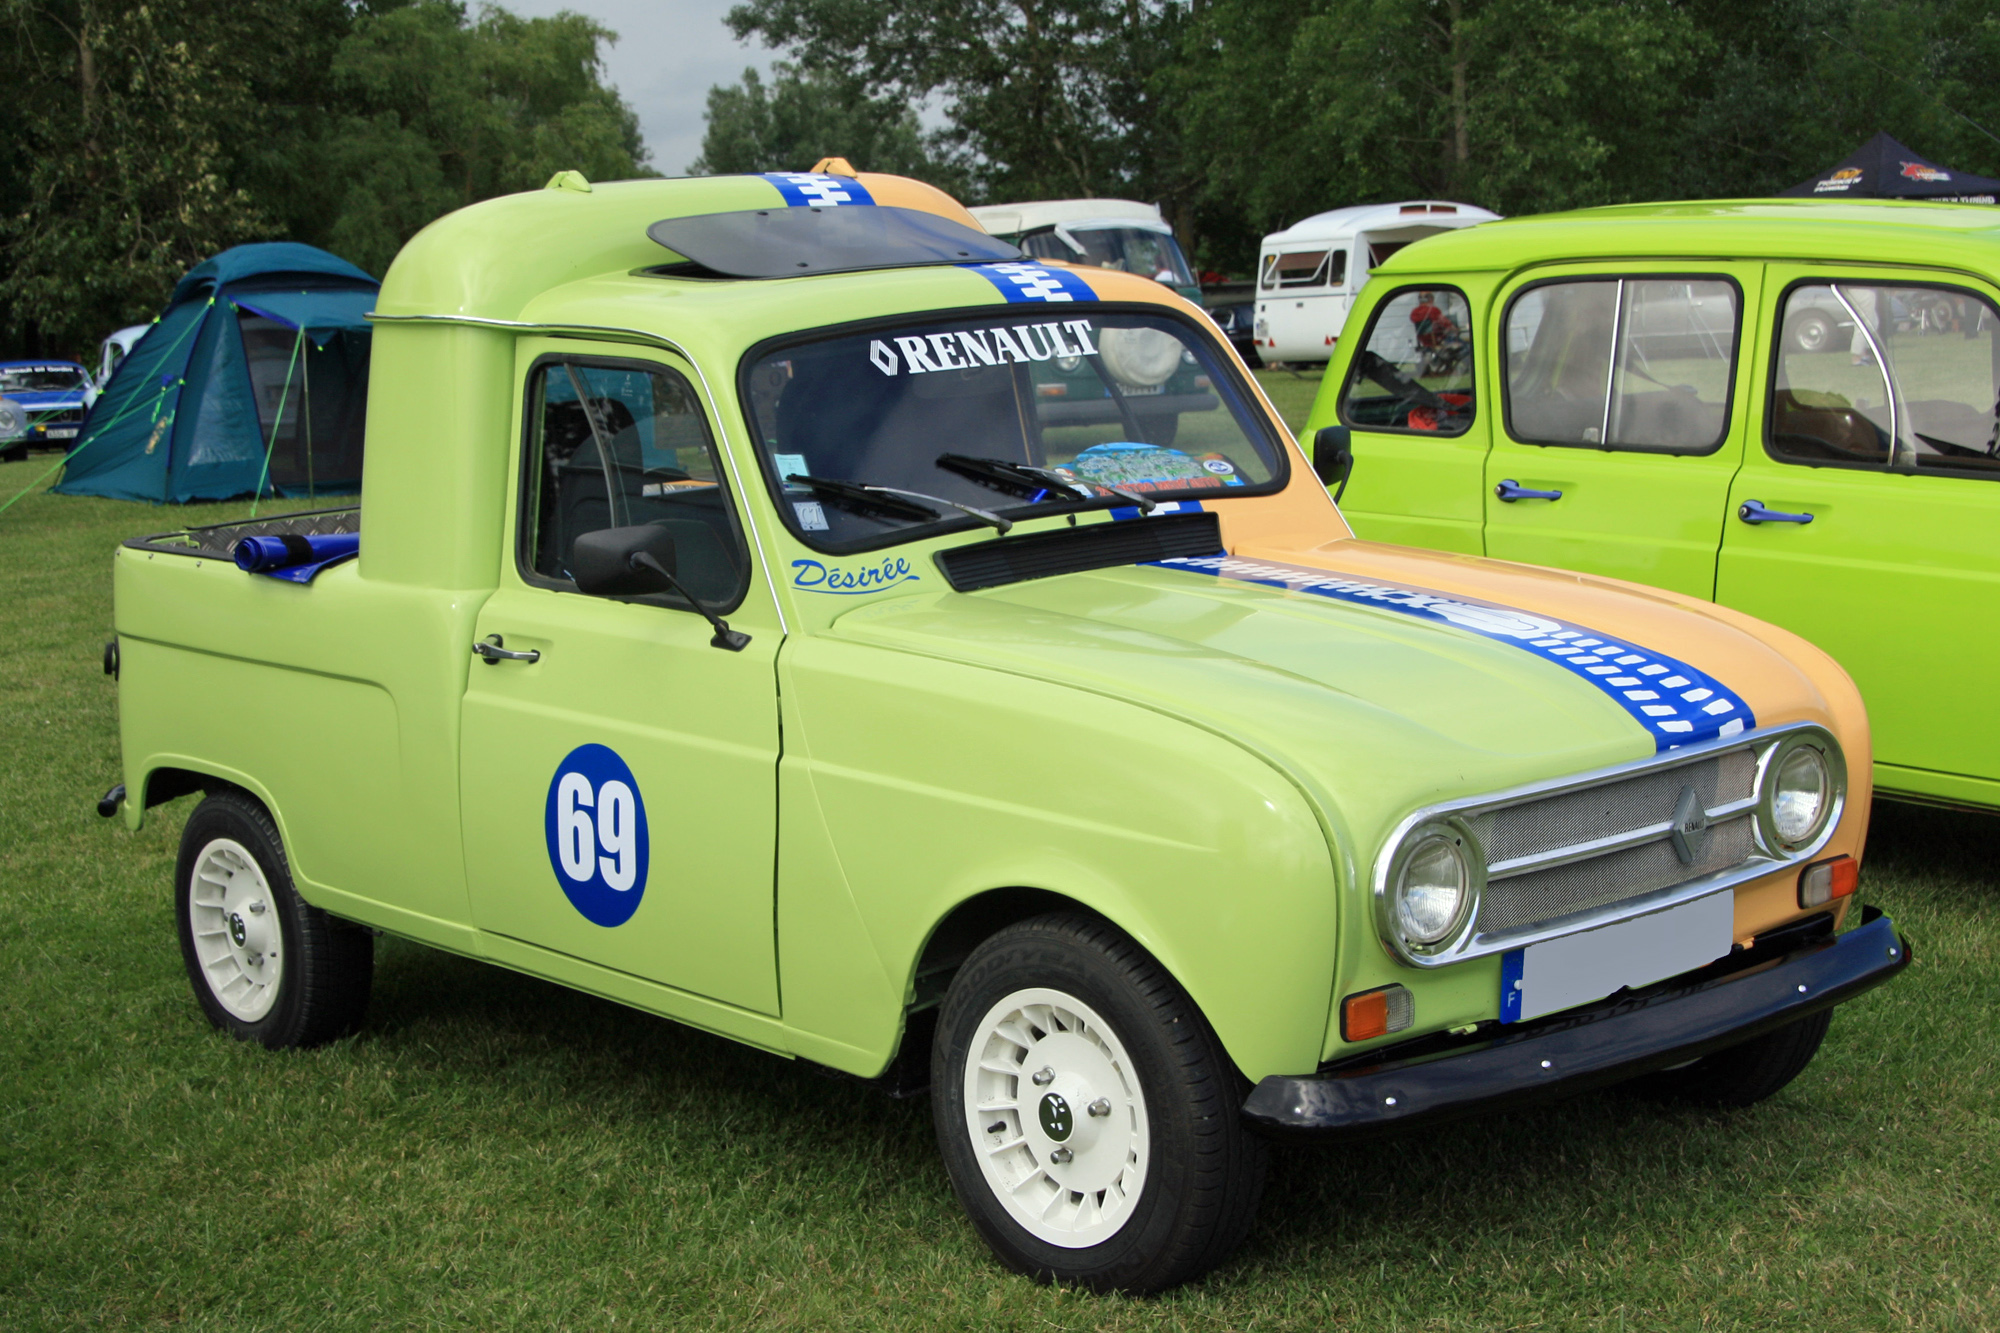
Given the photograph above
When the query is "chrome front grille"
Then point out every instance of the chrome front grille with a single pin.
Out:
(1580, 851)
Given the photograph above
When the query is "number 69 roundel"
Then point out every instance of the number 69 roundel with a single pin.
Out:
(596, 824)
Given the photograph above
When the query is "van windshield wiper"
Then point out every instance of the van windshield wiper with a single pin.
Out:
(894, 500)
(1039, 485)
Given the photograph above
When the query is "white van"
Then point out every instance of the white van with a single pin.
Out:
(113, 350)
(1309, 273)
(1121, 234)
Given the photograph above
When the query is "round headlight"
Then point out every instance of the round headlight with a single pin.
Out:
(13, 420)
(1433, 889)
(1801, 794)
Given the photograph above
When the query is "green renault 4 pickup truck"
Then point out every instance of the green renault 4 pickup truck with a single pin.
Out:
(1789, 406)
(782, 608)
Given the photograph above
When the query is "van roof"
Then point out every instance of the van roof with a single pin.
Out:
(1013, 219)
(1908, 231)
(1342, 222)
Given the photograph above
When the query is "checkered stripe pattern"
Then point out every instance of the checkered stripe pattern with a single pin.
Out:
(1676, 703)
(1019, 281)
(811, 189)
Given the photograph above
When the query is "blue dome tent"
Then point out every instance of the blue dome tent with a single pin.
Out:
(252, 382)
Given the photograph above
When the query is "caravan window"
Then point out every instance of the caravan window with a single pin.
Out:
(1414, 370)
(1305, 268)
(1641, 364)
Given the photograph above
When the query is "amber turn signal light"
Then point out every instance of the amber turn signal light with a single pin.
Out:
(1376, 1013)
(1823, 881)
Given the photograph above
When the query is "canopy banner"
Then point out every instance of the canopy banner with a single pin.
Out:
(1885, 169)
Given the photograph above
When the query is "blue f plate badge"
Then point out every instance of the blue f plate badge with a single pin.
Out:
(1575, 969)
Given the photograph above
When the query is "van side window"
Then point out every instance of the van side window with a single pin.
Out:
(616, 444)
(1642, 364)
(1899, 378)
(1414, 370)
(1305, 268)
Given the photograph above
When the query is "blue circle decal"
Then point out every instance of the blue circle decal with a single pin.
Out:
(596, 825)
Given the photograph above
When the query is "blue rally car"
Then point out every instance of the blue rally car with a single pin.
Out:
(41, 403)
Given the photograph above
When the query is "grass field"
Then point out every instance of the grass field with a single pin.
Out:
(495, 1153)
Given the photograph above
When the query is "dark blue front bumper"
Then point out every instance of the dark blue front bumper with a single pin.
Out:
(1677, 1021)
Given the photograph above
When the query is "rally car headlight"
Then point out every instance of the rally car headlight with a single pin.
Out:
(1802, 791)
(13, 420)
(1434, 886)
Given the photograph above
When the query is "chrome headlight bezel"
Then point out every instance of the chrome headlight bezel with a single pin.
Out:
(1391, 886)
(1772, 764)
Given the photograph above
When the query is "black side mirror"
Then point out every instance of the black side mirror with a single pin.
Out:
(1333, 458)
(601, 562)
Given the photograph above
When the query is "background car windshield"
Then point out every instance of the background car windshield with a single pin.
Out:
(1136, 401)
(40, 379)
(1150, 254)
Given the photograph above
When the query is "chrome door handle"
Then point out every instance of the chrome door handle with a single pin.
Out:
(491, 650)
(1753, 511)
(1511, 490)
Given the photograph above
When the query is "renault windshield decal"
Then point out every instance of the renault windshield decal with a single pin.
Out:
(1675, 702)
(969, 349)
(1021, 281)
(813, 189)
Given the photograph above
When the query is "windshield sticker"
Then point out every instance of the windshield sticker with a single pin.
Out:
(1148, 467)
(1019, 281)
(595, 823)
(811, 516)
(1161, 509)
(851, 581)
(812, 189)
(971, 349)
(1676, 703)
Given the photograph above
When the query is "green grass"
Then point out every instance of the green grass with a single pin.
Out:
(496, 1153)
(1292, 393)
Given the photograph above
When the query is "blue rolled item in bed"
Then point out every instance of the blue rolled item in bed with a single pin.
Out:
(295, 558)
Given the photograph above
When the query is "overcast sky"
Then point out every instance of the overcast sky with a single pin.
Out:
(669, 53)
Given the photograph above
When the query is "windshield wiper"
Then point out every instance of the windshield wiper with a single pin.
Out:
(893, 500)
(1034, 483)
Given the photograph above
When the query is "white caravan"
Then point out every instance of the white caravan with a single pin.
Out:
(1106, 233)
(1309, 273)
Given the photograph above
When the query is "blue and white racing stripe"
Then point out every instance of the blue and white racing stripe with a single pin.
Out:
(1675, 702)
(1019, 280)
(813, 189)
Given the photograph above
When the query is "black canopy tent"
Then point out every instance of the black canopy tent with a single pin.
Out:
(1884, 169)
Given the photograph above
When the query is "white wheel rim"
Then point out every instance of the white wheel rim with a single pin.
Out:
(235, 927)
(1020, 1134)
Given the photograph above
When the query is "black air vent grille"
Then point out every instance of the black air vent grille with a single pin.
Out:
(1072, 550)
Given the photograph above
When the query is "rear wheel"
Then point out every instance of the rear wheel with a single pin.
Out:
(1744, 1075)
(1811, 331)
(1087, 1115)
(265, 965)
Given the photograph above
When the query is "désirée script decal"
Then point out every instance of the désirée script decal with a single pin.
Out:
(846, 581)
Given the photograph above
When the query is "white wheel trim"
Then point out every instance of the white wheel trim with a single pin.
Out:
(234, 921)
(1085, 1200)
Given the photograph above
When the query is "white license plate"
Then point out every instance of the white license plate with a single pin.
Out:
(62, 432)
(1576, 969)
(1141, 390)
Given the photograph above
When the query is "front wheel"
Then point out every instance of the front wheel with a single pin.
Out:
(1087, 1115)
(1744, 1075)
(266, 966)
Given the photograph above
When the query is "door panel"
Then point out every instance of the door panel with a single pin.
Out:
(1898, 574)
(1671, 401)
(620, 789)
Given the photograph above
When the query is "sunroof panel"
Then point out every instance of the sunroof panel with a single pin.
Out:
(796, 242)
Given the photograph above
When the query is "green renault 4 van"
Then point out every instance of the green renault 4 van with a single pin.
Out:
(1784, 406)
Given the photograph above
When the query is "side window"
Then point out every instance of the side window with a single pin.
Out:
(1304, 268)
(1902, 378)
(616, 444)
(1642, 364)
(1414, 371)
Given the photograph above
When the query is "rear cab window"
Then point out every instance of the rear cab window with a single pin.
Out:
(1132, 398)
(1414, 370)
(1898, 377)
(1643, 363)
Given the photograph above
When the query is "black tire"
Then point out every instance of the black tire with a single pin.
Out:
(1810, 331)
(1160, 428)
(14, 453)
(232, 861)
(1743, 1075)
(1193, 1171)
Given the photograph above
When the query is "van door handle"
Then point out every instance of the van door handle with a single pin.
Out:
(1511, 490)
(1753, 511)
(491, 651)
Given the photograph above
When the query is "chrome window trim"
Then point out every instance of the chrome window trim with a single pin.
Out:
(1769, 855)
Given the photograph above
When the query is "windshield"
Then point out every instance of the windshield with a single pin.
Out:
(40, 379)
(1150, 254)
(1136, 401)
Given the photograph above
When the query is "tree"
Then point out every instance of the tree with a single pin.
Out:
(803, 116)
